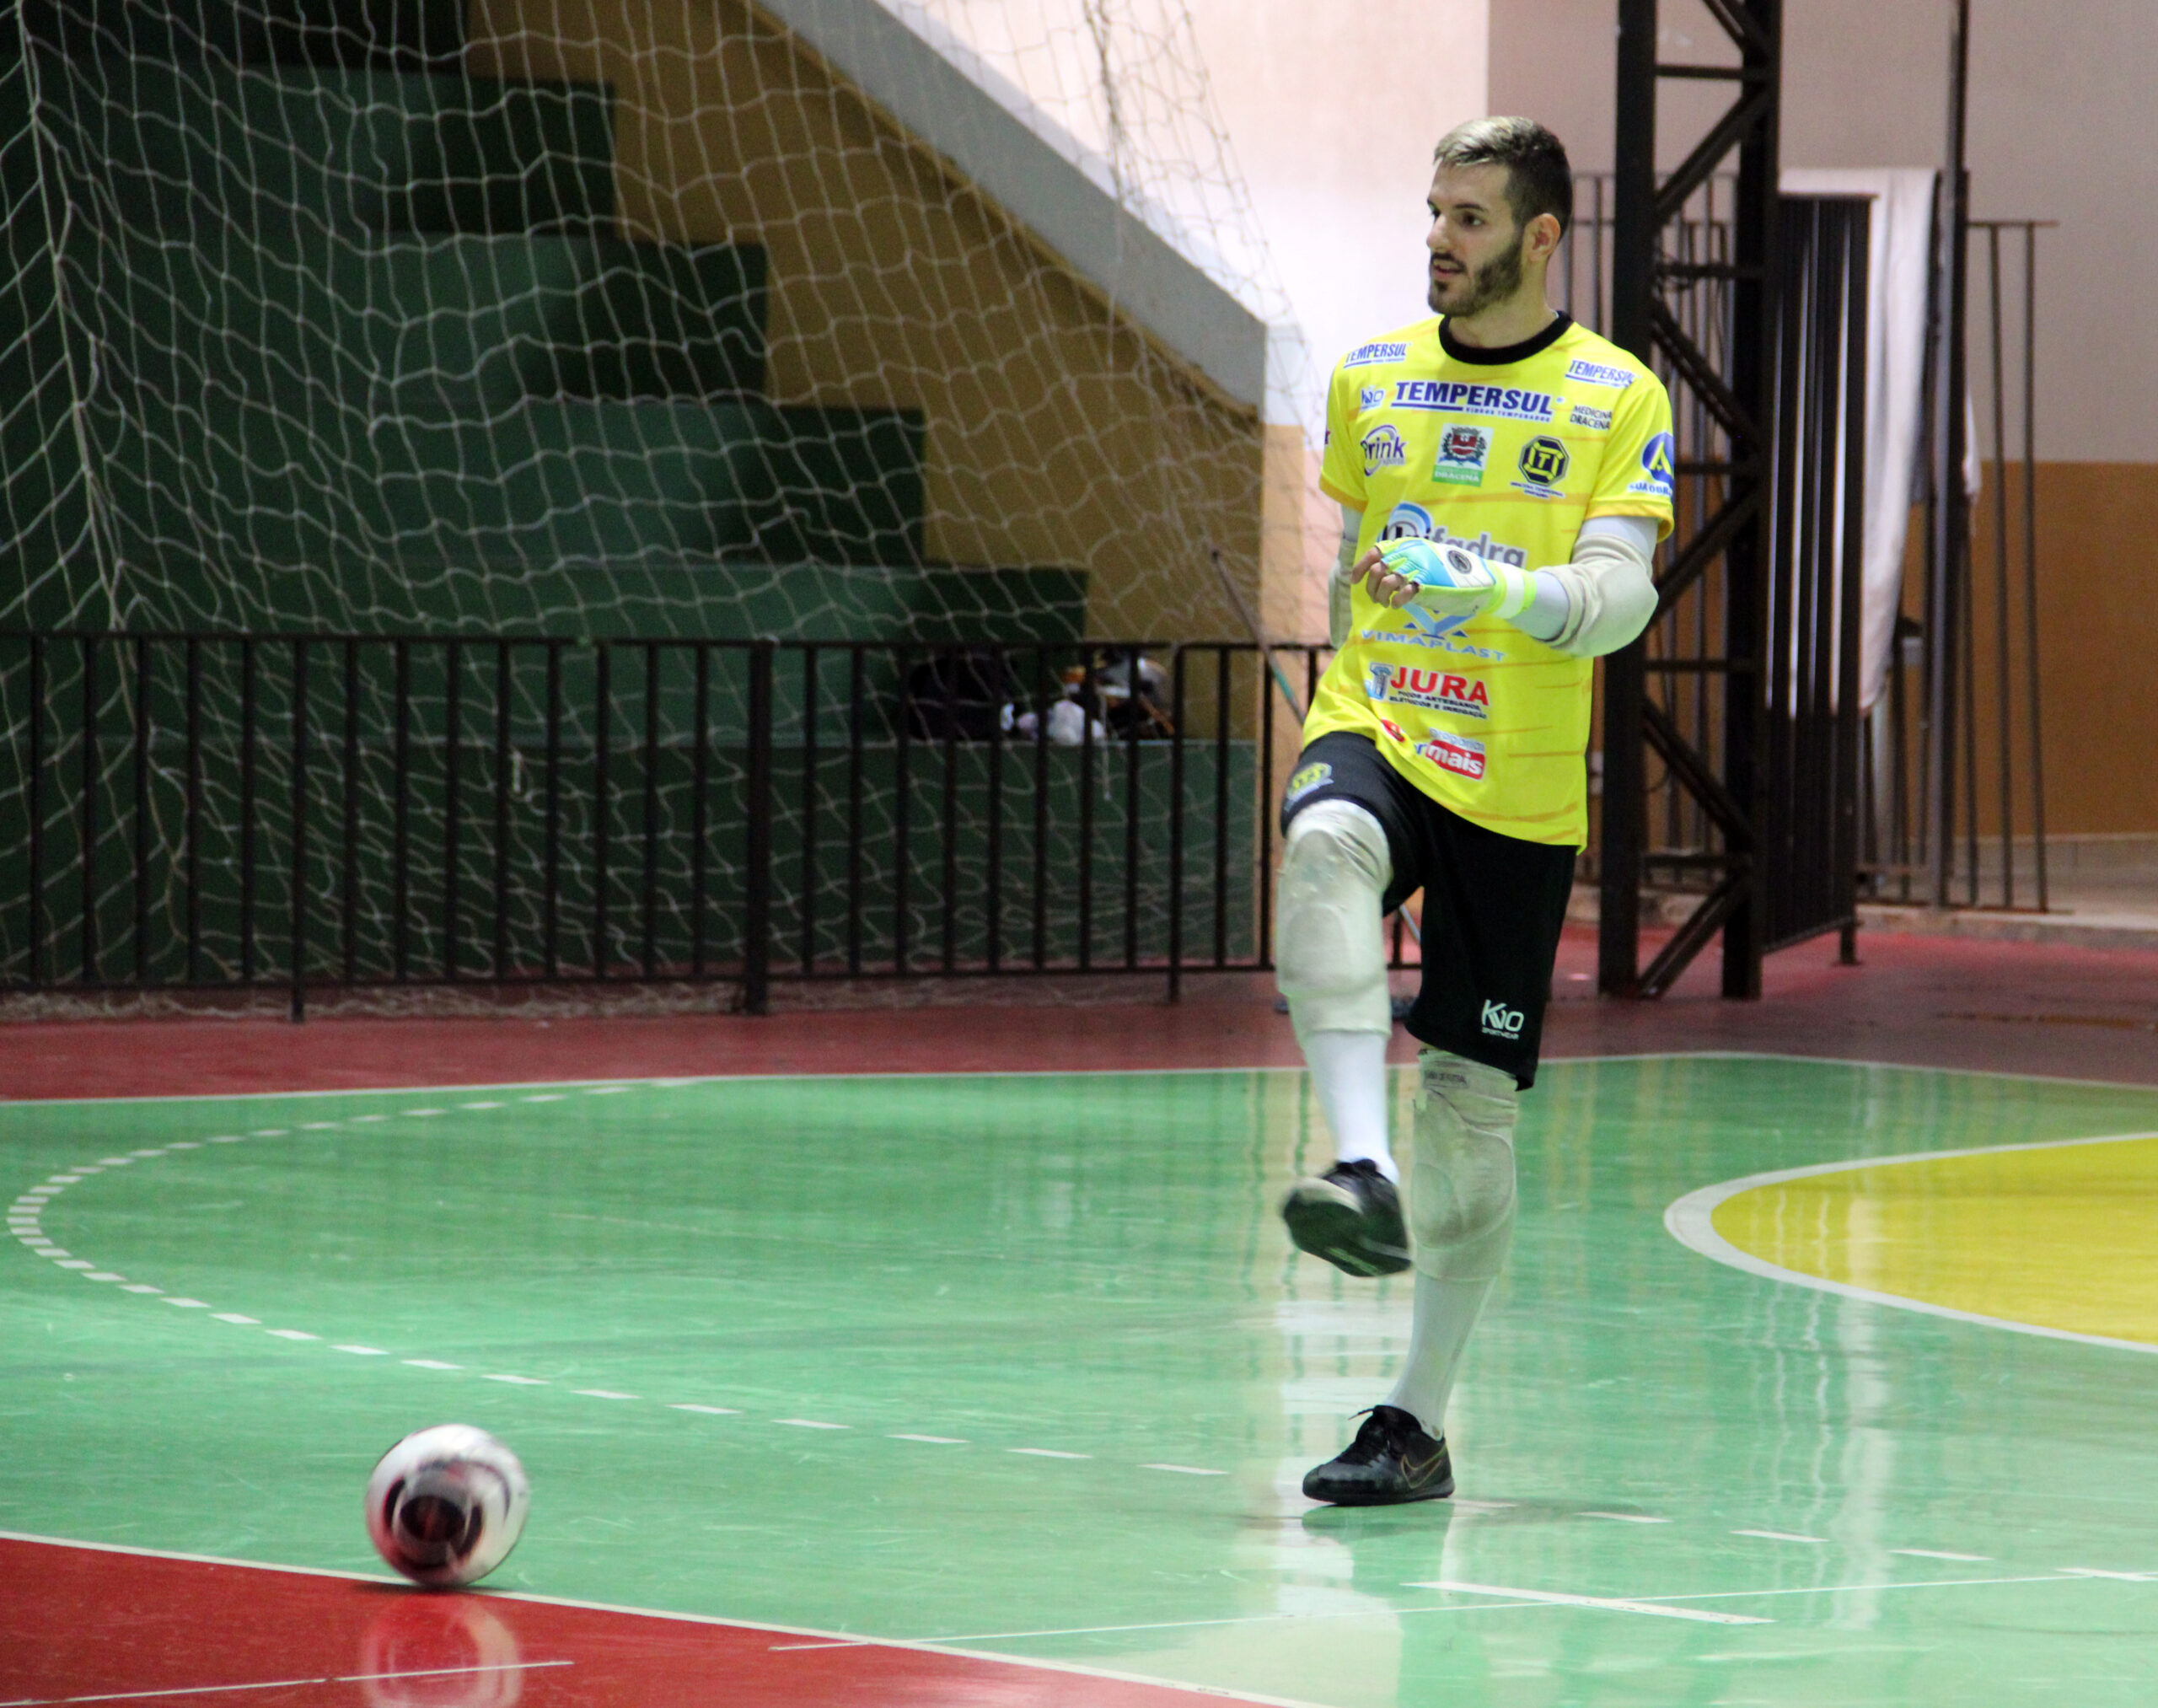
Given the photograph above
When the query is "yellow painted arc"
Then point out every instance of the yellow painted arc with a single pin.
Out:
(2062, 1237)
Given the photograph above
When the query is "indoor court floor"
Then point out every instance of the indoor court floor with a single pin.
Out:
(1812, 1382)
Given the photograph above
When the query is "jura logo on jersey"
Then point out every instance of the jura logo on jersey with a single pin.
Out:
(1461, 754)
(1370, 355)
(1544, 464)
(1370, 398)
(1501, 1022)
(1434, 691)
(1595, 419)
(1596, 373)
(1462, 452)
(1659, 467)
(1459, 397)
(1383, 448)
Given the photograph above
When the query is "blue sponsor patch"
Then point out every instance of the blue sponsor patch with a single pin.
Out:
(1459, 397)
(1596, 373)
(1406, 521)
(1371, 355)
(1370, 398)
(1659, 467)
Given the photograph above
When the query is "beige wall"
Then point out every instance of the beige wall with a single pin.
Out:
(2055, 84)
(1331, 112)
(1057, 433)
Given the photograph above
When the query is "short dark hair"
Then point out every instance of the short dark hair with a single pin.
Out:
(1539, 178)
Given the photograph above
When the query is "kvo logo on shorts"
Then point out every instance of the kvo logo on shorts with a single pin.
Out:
(1501, 1022)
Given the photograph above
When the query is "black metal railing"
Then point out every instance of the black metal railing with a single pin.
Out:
(1956, 734)
(305, 812)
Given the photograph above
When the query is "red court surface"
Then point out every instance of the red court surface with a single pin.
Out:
(1922, 1001)
(81, 1626)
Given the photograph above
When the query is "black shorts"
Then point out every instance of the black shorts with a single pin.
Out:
(1494, 905)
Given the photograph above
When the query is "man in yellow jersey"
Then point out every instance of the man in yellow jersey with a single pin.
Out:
(1504, 476)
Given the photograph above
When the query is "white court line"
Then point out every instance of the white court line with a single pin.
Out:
(1187, 1471)
(282, 1684)
(838, 1638)
(1046, 1453)
(810, 1423)
(712, 1411)
(1942, 1554)
(1624, 1518)
(1784, 1536)
(1613, 1604)
(934, 1440)
(1690, 1220)
(677, 1082)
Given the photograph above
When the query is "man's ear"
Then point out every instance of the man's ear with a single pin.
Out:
(1544, 235)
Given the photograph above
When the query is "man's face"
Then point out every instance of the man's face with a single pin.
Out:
(1476, 248)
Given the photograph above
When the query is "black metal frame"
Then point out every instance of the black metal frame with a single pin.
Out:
(1734, 384)
(310, 811)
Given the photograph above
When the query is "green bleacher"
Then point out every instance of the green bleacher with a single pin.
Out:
(364, 351)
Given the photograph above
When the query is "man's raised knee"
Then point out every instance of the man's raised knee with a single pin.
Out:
(1329, 955)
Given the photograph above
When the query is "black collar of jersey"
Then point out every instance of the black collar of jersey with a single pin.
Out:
(1562, 324)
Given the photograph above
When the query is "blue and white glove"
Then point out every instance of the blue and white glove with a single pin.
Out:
(1454, 582)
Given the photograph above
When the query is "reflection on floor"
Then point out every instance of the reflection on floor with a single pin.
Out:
(1022, 1366)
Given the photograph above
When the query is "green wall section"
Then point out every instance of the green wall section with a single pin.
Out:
(1092, 1265)
(357, 351)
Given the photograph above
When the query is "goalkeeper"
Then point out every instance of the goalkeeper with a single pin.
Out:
(1504, 476)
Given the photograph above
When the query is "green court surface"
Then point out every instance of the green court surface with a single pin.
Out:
(1025, 1364)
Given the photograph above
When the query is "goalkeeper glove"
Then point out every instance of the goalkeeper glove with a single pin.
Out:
(1454, 582)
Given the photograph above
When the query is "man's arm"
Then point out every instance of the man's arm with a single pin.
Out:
(1594, 605)
(1338, 615)
(1603, 598)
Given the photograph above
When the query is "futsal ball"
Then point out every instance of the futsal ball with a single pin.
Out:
(445, 1505)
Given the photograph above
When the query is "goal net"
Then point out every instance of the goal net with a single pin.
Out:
(925, 321)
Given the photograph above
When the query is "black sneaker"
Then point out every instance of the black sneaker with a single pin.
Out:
(1352, 1217)
(1391, 1460)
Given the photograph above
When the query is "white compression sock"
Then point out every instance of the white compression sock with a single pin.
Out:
(1445, 1312)
(1349, 1073)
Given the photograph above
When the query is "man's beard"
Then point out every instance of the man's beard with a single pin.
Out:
(1493, 281)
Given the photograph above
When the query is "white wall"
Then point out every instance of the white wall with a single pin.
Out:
(2061, 127)
(1332, 111)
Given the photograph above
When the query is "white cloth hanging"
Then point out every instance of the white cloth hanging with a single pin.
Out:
(1899, 282)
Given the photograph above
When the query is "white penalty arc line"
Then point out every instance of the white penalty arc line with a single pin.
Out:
(1691, 1220)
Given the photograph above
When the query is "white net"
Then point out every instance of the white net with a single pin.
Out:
(589, 316)
(934, 321)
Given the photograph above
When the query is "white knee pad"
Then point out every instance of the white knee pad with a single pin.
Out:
(1461, 1183)
(1329, 955)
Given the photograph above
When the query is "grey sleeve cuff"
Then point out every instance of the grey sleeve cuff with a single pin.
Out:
(1610, 591)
